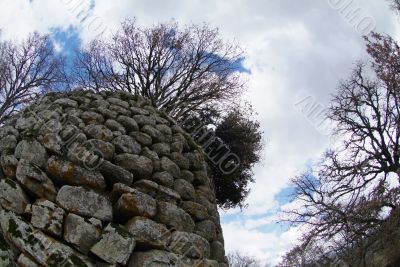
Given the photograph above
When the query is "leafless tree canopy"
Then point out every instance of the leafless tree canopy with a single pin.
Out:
(309, 255)
(236, 259)
(26, 69)
(395, 4)
(185, 71)
(349, 197)
(180, 70)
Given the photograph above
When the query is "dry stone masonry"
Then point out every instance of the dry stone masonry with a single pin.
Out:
(104, 179)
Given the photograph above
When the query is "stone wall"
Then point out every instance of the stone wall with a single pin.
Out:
(104, 180)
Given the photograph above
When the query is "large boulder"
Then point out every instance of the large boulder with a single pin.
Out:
(206, 229)
(47, 216)
(65, 172)
(185, 189)
(126, 144)
(31, 151)
(100, 132)
(174, 217)
(136, 203)
(115, 174)
(12, 196)
(82, 233)
(9, 165)
(105, 149)
(115, 245)
(197, 211)
(189, 244)
(155, 258)
(35, 181)
(140, 166)
(85, 202)
(148, 234)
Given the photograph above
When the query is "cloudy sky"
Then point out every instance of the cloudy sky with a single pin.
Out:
(297, 51)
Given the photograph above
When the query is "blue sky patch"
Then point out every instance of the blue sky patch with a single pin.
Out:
(67, 43)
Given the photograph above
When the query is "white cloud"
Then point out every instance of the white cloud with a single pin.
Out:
(20, 17)
(58, 47)
(268, 247)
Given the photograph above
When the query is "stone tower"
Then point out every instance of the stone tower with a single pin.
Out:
(104, 179)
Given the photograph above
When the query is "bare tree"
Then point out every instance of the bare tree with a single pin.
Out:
(309, 255)
(185, 71)
(26, 69)
(395, 5)
(236, 259)
(179, 70)
(349, 196)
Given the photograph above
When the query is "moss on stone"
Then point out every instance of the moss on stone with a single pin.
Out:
(126, 96)
(192, 144)
(13, 229)
(11, 183)
(121, 231)
(56, 259)
(81, 93)
(3, 244)
(76, 261)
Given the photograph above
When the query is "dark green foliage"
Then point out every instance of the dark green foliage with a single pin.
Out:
(241, 134)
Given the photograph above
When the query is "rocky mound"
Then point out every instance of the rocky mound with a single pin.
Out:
(104, 179)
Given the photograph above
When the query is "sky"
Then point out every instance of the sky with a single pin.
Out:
(296, 53)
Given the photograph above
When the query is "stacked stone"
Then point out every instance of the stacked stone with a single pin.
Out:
(104, 179)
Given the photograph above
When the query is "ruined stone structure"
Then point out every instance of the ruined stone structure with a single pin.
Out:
(104, 179)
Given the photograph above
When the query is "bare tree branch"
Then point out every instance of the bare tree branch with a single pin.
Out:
(179, 70)
(236, 259)
(348, 197)
(26, 69)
